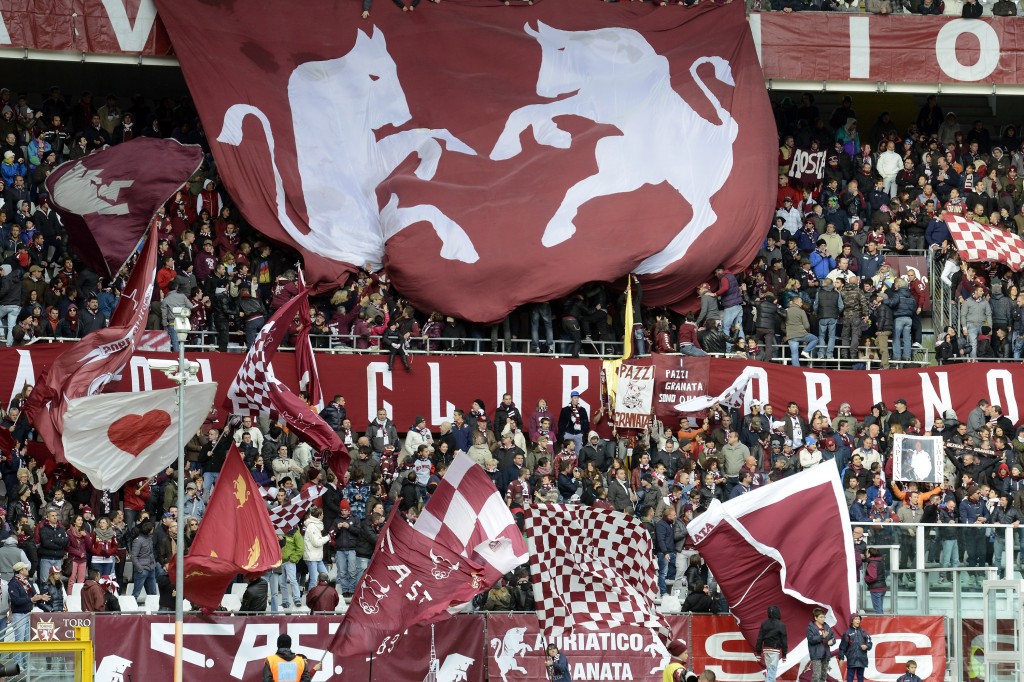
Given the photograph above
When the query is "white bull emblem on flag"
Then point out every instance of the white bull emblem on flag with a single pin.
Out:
(442, 568)
(371, 593)
(336, 106)
(620, 80)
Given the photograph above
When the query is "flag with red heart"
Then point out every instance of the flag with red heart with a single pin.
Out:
(115, 437)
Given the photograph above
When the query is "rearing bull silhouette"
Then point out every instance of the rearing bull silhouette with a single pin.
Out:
(619, 79)
(336, 105)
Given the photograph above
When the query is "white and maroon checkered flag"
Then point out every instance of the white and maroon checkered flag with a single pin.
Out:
(249, 394)
(256, 391)
(976, 242)
(591, 569)
(467, 515)
(287, 516)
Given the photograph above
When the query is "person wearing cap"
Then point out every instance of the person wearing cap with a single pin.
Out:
(284, 665)
(10, 553)
(24, 597)
(810, 455)
(854, 646)
(53, 587)
(573, 421)
(418, 434)
(677, 670)
(790, 215)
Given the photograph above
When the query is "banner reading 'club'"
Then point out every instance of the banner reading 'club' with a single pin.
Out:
(465, 144)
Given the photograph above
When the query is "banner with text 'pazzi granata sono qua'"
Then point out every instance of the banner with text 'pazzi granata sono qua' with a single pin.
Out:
(438, 385)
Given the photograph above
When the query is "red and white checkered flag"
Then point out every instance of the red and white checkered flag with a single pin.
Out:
(976, 242)
(288, 516)
(591, 569)
(249, 394)
(467, 515)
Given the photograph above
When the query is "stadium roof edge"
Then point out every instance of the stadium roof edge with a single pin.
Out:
(86, 57)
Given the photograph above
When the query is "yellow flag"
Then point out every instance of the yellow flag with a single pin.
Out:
(611, 367)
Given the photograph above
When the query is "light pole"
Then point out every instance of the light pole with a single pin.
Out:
(179, 373)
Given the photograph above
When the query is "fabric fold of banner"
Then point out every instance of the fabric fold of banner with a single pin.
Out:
(976, 242)
(786, 544)
(235, 537)
(731, 396)
(106, 200)
(98, 359)
(313, 134)
(116, 437)
(591, 569)
(256, 391)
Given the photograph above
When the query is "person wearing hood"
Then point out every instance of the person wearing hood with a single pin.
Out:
(286, 666)
(772, 643)
(854, 647)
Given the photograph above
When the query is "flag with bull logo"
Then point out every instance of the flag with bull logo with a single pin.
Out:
(787, 545)
(98, 359)
(106, 200)
(382, 141)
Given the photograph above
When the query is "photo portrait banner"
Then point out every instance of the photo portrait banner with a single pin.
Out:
(919, 458)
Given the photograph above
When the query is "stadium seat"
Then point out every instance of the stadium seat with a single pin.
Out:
(152, 604)
(238, 589)
(231, 602)
(127, 603)
(76, 589)
(74, 602)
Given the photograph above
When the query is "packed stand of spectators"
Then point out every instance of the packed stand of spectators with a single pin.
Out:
(58, 530)
(879, 197)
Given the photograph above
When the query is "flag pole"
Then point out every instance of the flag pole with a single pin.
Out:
(179, 569)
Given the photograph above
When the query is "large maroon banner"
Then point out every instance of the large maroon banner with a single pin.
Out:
(717, 645)
(438, 385)
(110, 26)
(377, 141)
(916, 49)
(228, 647)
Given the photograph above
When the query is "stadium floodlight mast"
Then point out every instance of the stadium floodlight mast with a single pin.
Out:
(180, 373)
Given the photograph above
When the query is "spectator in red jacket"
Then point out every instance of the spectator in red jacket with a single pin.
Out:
(136, 495)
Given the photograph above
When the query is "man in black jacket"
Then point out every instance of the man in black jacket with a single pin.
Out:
(287, 665)
(254, 599)
(53, 543)
(700, 600)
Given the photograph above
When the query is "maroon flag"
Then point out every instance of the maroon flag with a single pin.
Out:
(411, 580)
(786, 544)
(97, 359)
(976, 242)
(256, 391)
(107, 199)
(237, 537)
(305, 359)
(375, 142)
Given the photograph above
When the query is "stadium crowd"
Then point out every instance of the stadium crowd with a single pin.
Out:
(61, 531)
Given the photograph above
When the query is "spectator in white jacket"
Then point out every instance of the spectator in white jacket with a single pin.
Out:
(314, 539)
(889, 166)
(418, 435)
